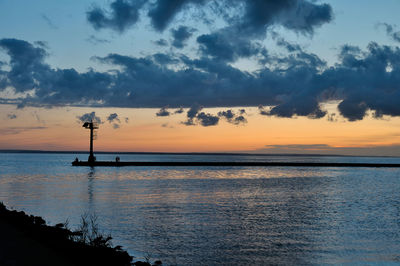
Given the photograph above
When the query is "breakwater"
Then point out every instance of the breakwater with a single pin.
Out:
(230, 164)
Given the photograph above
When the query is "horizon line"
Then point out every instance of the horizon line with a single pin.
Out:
(190, 153)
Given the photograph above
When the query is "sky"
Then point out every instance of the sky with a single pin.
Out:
(262, 76)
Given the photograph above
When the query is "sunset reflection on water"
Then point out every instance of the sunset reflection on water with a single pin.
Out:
(210, 215)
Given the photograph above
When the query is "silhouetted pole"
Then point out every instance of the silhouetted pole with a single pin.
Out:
(91, 156)
(92, 126)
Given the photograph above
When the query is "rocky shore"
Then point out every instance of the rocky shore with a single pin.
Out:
(27, 240)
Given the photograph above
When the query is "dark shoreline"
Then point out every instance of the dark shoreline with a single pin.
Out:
(27, 240)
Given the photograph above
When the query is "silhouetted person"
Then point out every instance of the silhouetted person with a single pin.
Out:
(117, 159)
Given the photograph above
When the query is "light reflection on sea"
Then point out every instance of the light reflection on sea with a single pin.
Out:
(220, 215)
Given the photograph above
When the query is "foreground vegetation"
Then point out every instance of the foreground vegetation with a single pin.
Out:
(84, 246)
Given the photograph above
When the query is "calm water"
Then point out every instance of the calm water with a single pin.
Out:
(219, 215)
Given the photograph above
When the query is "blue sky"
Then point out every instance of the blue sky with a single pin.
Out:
(64, 27)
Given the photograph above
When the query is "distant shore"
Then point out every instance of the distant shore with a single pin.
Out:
(197, 153)
(27, 240)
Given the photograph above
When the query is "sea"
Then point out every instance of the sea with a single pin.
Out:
(219, 215)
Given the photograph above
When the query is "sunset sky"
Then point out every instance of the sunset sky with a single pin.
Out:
(262, 76)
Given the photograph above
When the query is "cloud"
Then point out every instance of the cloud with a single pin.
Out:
(297, 84)
(25, 61)
(247, 22)
(191, 114)
(194, 117)
(122, 15)
(246, 17)
(262, 110)
(179, 111)
(89, 117)
(194, 109)
(207, 120)
(94, 40)
(161, 42)
(113, 118)
(164, 59)
(239, 120)
(228, 46)
(232, 117)
(180, 35)
(163, 112)
(299, 146)
(17, 130)
(324, 149)
(237, 40)
(390, 31)
(162, 12)
(52, 87)
(11, 116)
(290, 47)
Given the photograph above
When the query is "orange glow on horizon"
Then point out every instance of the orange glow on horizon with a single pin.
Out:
(58, 129)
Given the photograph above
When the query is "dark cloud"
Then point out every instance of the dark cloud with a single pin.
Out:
(304, 106)
(293, 85)
(193, 111)
(229, 115)
(180, 35)
(113, 118)
(239, 120)
(122, 14)
(163, 12)
(11, 116)
(161, 42)
(298, 15)
(163, 112)
(207, 120)
(391, 32)
(53, 87)
(246, 17)
(164, 59)
(194, 117)
(248, 22)
(89, 117)
(232, 117)
(25, 62)
(179, 111)
(191, 114)
(290, 47)
(227, 46)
